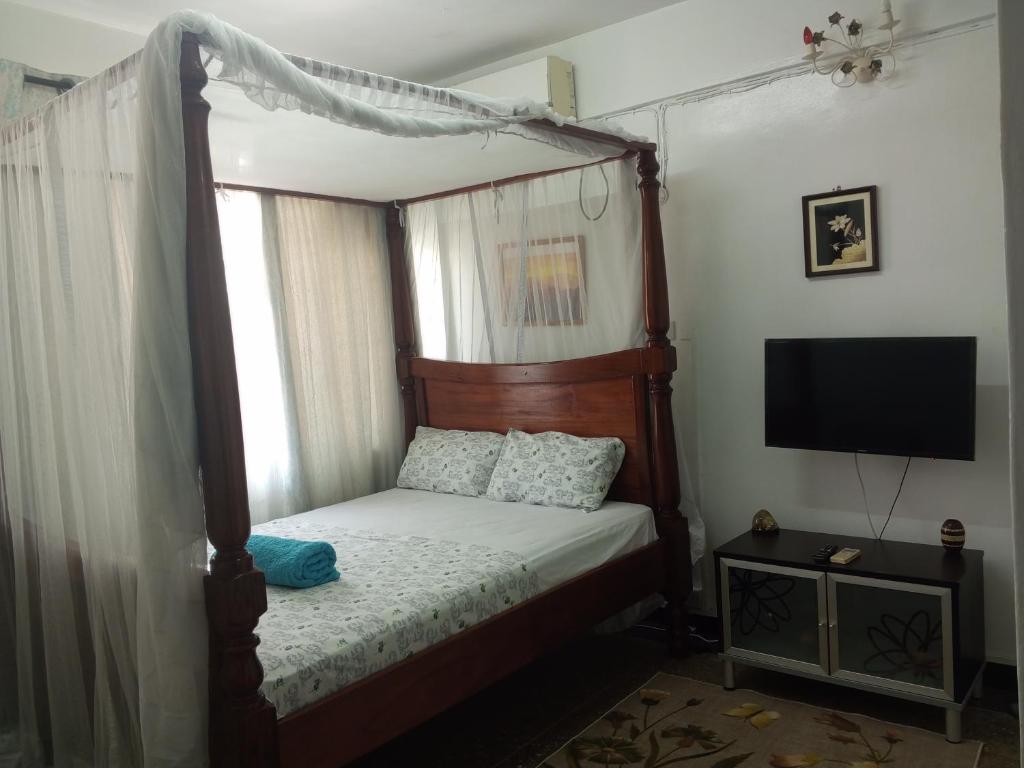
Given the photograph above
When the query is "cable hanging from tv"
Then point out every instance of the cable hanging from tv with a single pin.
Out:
(867, 510)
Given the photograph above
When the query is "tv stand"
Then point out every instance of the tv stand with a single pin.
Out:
(906, 620)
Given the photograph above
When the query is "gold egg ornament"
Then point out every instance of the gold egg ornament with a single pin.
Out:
(763, 523)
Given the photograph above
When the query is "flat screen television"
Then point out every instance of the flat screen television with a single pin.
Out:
(896, 396)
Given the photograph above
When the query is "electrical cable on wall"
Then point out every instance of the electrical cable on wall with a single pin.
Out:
(897, 498)
(867, 511)
(659, 107)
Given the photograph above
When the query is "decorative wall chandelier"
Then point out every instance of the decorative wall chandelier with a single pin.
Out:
(856, 62)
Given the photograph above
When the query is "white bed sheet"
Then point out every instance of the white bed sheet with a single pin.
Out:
(418, 567)
(557, 543)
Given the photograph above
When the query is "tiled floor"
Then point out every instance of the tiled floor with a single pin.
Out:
(520, 721)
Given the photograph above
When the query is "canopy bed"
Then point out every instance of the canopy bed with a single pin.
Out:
(624, 394)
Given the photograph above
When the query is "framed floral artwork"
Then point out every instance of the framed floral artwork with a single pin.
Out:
(548, 279)
(840, 232)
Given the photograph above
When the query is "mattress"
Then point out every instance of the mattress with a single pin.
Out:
(418, 567)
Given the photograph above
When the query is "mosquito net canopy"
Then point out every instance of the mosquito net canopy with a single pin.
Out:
(365, 152)
(102, 540)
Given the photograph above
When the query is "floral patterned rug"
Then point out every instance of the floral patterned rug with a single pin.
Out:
(675, 721)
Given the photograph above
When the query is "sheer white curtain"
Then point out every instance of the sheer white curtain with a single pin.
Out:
(272, 462)
(545, 269)
(311, 312)
(340, 344)
(102, 530)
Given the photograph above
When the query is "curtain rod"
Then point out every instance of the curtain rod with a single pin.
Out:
(62, 85)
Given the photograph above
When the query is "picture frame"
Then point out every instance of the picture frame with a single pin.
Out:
(555, 281)
(841, 232)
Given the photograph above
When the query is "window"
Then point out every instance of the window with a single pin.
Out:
(261, 383)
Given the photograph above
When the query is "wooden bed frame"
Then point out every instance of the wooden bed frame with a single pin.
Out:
(625, 394)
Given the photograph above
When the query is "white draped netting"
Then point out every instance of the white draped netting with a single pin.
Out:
(103, 638)
(539, 270)
(102, 521)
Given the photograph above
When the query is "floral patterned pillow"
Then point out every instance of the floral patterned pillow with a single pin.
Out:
(450, 461)
(556, 470)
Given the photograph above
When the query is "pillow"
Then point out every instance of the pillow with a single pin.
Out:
(450, 461)
(556, 470)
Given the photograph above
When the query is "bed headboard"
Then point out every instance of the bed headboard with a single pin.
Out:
(603, 396)
(625, 394)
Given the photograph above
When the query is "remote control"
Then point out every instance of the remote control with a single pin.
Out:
(845, 556)
(823, 554)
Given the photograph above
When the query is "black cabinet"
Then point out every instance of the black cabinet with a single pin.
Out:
(904, 619)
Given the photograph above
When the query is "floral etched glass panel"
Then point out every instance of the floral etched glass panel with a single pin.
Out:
(774, 613)
(890, 633)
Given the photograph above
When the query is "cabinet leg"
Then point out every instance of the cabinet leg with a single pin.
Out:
(978, 690)
(729, 675)
(953, 726)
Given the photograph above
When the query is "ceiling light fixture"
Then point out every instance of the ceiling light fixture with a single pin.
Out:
(857, 63)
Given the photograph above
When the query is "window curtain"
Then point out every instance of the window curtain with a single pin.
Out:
(265, 390)
(310, 297)
(102, 621)
(545, 269)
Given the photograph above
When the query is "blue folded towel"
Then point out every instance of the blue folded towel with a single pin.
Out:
(292, 563)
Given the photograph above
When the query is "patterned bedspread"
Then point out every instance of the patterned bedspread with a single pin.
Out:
(397, 595)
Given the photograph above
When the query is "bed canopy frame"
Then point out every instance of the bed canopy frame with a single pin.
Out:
(625, 394)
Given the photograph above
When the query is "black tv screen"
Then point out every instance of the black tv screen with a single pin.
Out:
(897, 396)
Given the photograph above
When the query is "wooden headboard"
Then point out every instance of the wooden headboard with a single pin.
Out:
(603, 396)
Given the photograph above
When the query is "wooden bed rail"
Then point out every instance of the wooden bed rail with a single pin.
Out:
(243, 724)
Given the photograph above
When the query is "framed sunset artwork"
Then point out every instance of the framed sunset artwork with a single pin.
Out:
(552, 280)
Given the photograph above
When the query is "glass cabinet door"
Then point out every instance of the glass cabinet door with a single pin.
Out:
(896, 635)
(774, 614)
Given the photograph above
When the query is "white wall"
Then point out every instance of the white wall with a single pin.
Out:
(61, 44)
(739, 164)
(699, 42)
(739, 167)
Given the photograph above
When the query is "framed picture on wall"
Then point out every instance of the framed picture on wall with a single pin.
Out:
(547, 278)
(840, 232)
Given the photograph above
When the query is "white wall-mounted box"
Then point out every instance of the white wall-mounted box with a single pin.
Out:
(548, 80)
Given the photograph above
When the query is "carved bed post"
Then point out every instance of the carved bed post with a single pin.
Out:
(672, 526)
(243, 724)
(405, 328)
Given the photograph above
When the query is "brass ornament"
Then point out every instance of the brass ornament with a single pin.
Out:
(763, 523)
